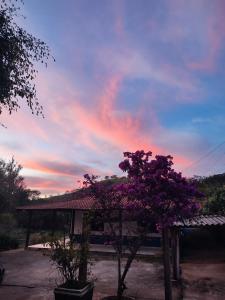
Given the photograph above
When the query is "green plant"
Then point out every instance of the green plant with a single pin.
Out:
(67, 257)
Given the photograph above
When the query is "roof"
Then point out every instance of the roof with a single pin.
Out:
(202, 220)
(84, 203)
(87, 203)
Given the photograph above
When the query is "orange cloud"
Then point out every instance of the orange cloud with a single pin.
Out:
(118, 128)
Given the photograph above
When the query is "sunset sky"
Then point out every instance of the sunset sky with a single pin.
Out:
(128, 75)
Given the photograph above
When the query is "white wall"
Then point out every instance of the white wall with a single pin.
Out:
(129, 228)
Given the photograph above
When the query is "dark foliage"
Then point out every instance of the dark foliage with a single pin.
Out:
(13, 191)
(2, 273)
(213, 188)
(7, 242)
(19, 50)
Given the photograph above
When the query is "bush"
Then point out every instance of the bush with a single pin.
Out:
(44, 237)
(7, 223)
(2, 274)
(67, 260)
(8, 242)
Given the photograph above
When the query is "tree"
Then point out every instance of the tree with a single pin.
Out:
(19, 50)
(13, 190)
(152, 194)
(216, 202)
(214, 191)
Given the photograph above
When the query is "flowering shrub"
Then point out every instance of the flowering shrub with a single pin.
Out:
(152, 194)
(156, 191)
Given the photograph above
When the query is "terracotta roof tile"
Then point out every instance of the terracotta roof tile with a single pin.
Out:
(84, 203)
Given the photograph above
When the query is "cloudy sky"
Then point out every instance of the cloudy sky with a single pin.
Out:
(128, 75)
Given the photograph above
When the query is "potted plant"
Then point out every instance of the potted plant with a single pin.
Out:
(69, 260)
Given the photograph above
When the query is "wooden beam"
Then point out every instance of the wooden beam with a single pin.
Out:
(177, 254)
(53, 222)
(72, 222)
(176, 261)
(166, 260)
(30, 213)
(84, 248)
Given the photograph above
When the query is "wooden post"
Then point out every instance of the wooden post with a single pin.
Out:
(53, 222)
(176, 254)
(72, 222)
(84, 249)
(166, 260)
(30, 213)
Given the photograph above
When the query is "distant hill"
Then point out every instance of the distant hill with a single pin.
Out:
(213, 188)
(79, 193)
(217, 180)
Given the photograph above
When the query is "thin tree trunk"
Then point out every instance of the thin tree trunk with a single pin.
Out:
(166, 259)
(120, 283)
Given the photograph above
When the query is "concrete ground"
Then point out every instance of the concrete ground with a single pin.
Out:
(203, 274)
(106, 250)
(204, 281)
(30, 275)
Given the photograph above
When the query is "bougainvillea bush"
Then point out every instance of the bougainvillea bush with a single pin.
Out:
(157, 190)
(152, 194)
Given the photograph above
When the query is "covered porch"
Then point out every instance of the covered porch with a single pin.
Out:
(76, 211)
(77, 208)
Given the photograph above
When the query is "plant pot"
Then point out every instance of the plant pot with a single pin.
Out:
(85, 293)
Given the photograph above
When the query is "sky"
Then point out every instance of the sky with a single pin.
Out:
(128, 75)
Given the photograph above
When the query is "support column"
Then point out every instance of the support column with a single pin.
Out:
(166, 260)
(53, 222)
(84, 249)
(176, 255)
(72, 223)
(30, 213)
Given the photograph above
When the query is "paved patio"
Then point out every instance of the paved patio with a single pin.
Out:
(30, 275)
(107, 250)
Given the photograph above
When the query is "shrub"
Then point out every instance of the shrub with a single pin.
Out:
(7, 223)
(8, 242)
(67, 258)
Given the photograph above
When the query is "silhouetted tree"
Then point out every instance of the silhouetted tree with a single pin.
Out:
(19, 50)
(13, 190)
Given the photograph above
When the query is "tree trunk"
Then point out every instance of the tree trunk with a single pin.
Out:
(166, 259)
(119, 257)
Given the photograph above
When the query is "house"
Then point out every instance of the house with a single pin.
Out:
(98, 230)
(78, 207)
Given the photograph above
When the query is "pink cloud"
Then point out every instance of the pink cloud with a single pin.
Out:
(58, 167)
(49, 186)
(118, 128)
